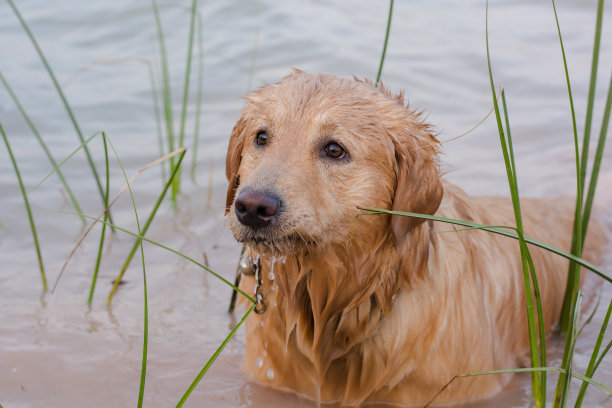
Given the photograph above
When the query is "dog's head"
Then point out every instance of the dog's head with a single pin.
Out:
(310, 149)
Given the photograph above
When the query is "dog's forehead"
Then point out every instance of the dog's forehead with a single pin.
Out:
(320, 101)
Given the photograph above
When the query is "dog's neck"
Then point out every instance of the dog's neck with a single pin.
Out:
(331, 300)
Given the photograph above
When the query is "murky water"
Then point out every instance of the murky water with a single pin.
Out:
(56, 352)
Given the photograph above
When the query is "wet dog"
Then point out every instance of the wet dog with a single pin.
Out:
(376, 308)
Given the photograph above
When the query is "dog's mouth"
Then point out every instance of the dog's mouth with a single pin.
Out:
(287, 244)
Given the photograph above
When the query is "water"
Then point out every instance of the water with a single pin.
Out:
(56, 352)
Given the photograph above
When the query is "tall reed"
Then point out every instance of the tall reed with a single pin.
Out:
(61, 94)
(167, 94)
(538, 355)
(28, 209)
(42, 143)
(101, 245)
(384, 50)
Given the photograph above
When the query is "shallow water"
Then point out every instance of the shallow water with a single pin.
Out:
(56, 352)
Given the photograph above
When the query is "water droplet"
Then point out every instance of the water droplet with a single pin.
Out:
(259, 362)
(271, 275)
(272, 288)
(270, 374)
(266, 345)
(261, 323)
(265, 353)
(275, 304)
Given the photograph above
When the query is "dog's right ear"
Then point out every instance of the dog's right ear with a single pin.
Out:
(232, 161)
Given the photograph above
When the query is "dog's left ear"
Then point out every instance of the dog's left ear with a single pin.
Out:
(418, 188)
(232, 162)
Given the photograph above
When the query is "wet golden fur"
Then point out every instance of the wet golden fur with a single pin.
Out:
(379, 308)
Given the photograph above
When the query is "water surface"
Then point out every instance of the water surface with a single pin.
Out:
(57, 352)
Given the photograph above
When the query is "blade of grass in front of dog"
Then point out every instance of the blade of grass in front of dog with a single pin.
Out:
(384, 50)
(165, 86)
(146, 226)
(563, 384)
(62, 96)
(199, 93)
(28, 209)
(42, 143)
(591, 97)
(588, 205)
(526, 255)
(540, 314)
(164, 247)
(518, 370)
(573, 279)
(101, 246)
(570, 302)
(210, 362)
(538, 386)
(495, 230)
(602, 355)
(176, 183)
(594, 355)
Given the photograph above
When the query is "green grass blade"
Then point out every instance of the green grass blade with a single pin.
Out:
(177, 180)
(591, 368)
(198, 110)
(29, 211)
(158, 125)
(557, 369)
(602, 355)
(541, 328)
(42, 143)
(213, 358)
(530, 267)
(174, 251)
(62, 96)
(101, 246)
(538, 386)
(165, 86)
(573, 278)
(75, 151)
(145, 227)
(384, 50)
(496, 230)
(145, 341)
(591, 98)
(588, 205)
(518, 370)
(563, 383)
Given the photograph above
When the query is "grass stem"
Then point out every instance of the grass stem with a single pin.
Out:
(28, 209)
(145, 227)
(42, 143)
(62, 96)
(101, 246)
(176, 182)
(210, 362)
(384, 50)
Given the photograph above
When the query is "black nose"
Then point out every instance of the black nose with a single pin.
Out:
(255, 208)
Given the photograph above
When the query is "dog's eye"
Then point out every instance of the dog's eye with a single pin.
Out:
(334, 150)
(261, 139)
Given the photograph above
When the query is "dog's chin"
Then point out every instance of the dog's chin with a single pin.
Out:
(275, 245)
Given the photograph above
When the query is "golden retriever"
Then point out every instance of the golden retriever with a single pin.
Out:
(376, 308)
